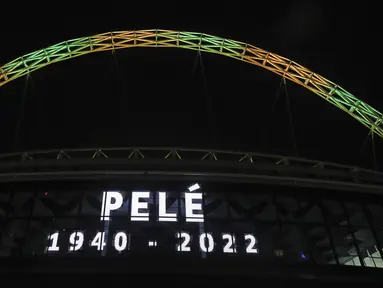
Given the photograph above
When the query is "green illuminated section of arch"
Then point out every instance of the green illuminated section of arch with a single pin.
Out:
(329, 91)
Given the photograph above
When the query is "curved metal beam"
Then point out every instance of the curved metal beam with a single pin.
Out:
(329, 91)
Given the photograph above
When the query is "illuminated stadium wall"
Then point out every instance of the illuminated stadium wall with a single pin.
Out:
(214, 220)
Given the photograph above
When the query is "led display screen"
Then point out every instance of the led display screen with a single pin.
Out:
(262, 223)
(148, 221)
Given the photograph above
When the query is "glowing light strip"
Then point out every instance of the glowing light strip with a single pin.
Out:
(329, 91)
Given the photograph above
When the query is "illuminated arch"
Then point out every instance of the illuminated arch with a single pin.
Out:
(331, 92)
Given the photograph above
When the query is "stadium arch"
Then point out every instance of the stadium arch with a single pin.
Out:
(288, 69)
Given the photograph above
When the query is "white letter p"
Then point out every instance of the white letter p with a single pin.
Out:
(107, 204)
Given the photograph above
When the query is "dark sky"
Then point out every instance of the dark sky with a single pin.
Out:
(151, 97)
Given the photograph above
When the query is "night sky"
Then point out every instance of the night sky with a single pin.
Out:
(165, 97)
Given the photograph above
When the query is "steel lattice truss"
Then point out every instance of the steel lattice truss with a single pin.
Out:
(331, 92)
(175, 163)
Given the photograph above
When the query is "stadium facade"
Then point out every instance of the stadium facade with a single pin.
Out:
(213, 211)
